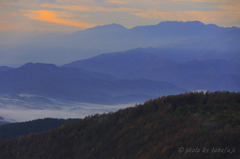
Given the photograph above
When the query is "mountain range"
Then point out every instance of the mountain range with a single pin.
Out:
(177, 37)
(188, 61)
(153, 64)
(122, 77)
(187, 56)
(75, 84)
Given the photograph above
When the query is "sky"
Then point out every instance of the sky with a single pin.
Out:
(74, 15)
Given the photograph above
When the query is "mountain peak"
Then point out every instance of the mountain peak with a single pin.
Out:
(191, 23)
(113, 25)
(108, 27)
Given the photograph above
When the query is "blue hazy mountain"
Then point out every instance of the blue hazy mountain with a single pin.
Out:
(79, 85)
(211, 82)
(153, 64)
(122, 62)
(168, 55)
(64, 48)
(183, 70)
(175, 29)
(156, 64)
(5, 68)
(40, 70)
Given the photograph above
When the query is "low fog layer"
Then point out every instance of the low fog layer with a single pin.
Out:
(25, 107)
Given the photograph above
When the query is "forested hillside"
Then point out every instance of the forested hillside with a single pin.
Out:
(24, 128)
(190, 125)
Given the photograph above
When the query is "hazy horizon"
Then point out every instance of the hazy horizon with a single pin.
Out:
(65, 15)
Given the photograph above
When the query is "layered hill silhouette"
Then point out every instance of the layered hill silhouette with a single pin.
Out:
(210, 82)
(155, 64)
(5, 68)
(75, 84)
(123, 77)
(60, 49)
(165, 59)
(122, 62)
(179, 71)
(183, 57)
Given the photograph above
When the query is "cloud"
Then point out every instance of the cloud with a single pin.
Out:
(90, 8)
(118, 2)
(230, 7)
(53, 16)
(26, 3)
(27, 109)
(208, 11)
(35, 3)
(230, 11)
(203, 16)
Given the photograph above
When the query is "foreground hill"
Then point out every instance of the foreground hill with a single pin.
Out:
(194, 125)
(13, 130)
(3, 122)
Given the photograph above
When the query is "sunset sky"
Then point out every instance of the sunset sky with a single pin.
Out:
(74, 15)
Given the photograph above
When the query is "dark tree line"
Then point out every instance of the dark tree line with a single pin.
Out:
(14, 130)
(159, 128)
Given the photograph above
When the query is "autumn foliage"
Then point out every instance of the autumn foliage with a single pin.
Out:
(175, 126)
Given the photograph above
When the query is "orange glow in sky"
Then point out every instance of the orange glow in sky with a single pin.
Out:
(73, 15)
(53, 16)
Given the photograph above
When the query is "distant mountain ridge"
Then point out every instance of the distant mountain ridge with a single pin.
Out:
(5, 68)
(179, 71)
(178, 29)
(182, 53)
(210, 82)
(61, 49)
(155, 64)
(40, 69)
(80, 85)
(115, 63)
(151, 59)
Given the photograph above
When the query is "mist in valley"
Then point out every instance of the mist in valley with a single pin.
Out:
(20, 108)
